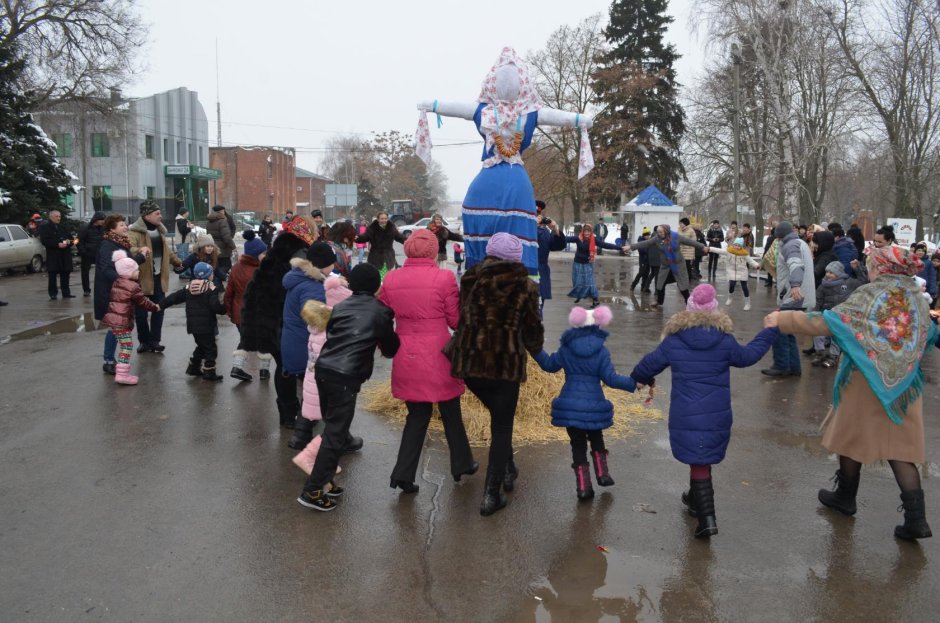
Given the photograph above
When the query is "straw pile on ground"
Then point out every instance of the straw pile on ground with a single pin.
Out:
(533, 415)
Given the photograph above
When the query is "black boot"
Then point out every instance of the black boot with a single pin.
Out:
(238, 373)
(493, 497)
(303, 433)
(582, 475)
(509, 479)
(600, 468)
(208, 374)
(195, 367)
(842, 498)
(703, 501)
(287, 413)
(915, 517)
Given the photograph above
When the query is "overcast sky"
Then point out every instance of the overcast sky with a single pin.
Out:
(295, 73)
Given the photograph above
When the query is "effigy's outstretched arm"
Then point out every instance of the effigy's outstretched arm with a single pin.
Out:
(463, 110)
(564, 119)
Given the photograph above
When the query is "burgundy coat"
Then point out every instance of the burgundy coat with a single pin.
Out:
(426, 304)
(125, 296)
(238, 279)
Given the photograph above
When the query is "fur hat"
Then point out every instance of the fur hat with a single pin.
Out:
(253, 245)
(421, 243)
(123, 265)
(702, 299)
(321, 255)
(365, 278)
(148, 206)
(202, 271)
(505, 247)
(837, 269)
(580, 317)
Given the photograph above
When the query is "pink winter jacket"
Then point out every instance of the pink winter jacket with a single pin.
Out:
(316, 314)
(425, 301)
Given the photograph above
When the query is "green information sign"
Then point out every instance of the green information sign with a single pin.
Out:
(192, 171)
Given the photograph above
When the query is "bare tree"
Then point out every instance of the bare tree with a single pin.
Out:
(74, 49)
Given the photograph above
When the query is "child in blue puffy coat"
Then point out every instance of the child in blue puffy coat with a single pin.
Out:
(699, 346)
(581, 407)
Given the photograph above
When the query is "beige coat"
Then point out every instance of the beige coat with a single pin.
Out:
(688, 253)
(859, 428)
(137, 233)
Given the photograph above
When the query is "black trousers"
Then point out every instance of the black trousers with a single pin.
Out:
(206, 350)
(63, 277)
(87, 263)
(713, 264)
(285, 385)
(416, 428)
(223, 268)
(579, 439)
(338, 406)
(642, 275)
(500, 398)
(150, 324)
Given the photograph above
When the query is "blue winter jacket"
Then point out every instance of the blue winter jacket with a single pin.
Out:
(586, 362)
(700, 349)
(549, 241)
(845, 250)
(303, 282)
(929, 274)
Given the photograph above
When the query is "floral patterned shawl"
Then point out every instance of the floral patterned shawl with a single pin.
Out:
(506, 117)
(884, 328)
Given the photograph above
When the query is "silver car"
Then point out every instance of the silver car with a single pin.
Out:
(19, 250)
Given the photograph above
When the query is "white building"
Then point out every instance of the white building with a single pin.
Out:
(126, 150)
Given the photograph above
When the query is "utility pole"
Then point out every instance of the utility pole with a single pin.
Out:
(218, 103)
(736, 61)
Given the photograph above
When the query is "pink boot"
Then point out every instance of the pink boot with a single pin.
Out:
(308, 456)
(123, 374)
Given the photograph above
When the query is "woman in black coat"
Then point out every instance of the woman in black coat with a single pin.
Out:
(263, 310)
(380, 235)
(114, 239)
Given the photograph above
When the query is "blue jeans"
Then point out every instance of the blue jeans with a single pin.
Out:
(150, 330)
(110, 347)
(786, 353)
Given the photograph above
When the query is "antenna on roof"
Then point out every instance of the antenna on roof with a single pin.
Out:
(218, 105)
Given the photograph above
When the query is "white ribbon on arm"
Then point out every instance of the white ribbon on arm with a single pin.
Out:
(423, 139)
(585, 155)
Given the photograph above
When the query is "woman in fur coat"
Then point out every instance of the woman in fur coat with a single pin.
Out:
(263, 309)
(499, 322)
(700, 348)
(380, 235)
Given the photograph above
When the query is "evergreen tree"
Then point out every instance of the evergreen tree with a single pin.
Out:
(641, 122)
(31, 179)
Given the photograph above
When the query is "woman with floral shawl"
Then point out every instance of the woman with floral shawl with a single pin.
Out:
(883, 329)
(673, 269)
(500, 197)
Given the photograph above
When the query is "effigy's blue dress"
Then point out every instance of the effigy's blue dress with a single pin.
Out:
(501, 199)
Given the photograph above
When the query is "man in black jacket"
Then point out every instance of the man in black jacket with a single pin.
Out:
(715, 237)
(643, 274)
(55, 237)
(356, 327)
(89, 239)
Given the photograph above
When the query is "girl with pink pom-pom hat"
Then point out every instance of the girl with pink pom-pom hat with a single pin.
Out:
(581, 407)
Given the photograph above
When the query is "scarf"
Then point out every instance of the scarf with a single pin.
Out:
(884, 328)
(119, 239)
(671, 251)
(506, 117)
(592, 246)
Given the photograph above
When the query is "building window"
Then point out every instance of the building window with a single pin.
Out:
(166, 150)
(201, 163)
(100, 148)
(179, 152)
(270, 168)
(271, 203)
(151, 192)
(101, 198)
(192, 153)
(148, 146)
(63, 145)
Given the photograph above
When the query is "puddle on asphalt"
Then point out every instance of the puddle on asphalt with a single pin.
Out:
(75, 324)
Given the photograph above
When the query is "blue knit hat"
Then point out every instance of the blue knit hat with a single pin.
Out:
(253, 246)
(202, 271)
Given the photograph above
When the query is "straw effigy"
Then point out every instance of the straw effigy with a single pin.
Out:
(533, 422)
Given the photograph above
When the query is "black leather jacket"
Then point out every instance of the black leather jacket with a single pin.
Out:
(356, 327)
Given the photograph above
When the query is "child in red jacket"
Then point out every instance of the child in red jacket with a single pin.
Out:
(125, 296)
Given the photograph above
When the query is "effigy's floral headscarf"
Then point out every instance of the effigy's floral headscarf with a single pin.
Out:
(884, 328)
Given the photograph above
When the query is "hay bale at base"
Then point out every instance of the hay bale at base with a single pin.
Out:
(533, 422)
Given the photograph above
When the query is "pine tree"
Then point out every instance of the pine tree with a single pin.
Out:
(31, 178)
(641, 124)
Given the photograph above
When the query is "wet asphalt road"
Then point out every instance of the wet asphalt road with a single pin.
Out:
(174, 500)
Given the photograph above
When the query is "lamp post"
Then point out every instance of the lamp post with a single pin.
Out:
(736, 62)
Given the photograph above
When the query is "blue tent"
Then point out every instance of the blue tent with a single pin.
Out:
(651, 196)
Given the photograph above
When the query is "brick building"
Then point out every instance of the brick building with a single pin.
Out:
(254, 179)
(311, 191)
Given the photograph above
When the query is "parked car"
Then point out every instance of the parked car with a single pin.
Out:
(19, 250)
(406, 230)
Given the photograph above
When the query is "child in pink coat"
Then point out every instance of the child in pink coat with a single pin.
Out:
(317, 315)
